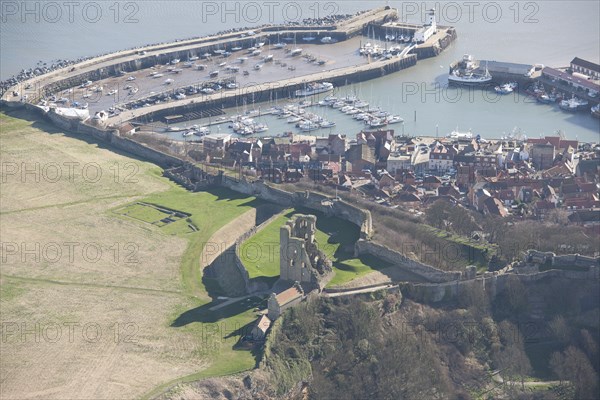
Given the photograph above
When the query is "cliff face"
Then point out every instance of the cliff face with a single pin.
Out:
(384, 346)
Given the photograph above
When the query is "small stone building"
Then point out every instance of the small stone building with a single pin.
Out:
(259, 331)
(278, 303)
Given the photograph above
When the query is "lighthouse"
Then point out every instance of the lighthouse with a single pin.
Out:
(428, 29)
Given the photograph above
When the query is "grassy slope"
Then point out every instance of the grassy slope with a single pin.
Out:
(210, 211)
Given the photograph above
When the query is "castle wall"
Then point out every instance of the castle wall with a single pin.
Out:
(427, 272)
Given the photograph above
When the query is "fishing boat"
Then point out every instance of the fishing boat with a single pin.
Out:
(467, 73)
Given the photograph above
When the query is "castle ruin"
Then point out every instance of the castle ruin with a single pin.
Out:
(300, 260)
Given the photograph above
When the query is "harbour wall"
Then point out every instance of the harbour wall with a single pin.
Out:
(280, 89)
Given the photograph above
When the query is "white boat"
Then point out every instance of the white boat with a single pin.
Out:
(112, 92)
(327, 40)
(394, 119)
(158, 75)
(188, 64)
(376, 122)
(169, 81)
(309, 38)
(268, 58)
(256, 52)
(296, 52)
(257, 67)
(222, 64)
(232, 85)
(279, 45)
(258, 128)
(187, 133)
(175, 61)
(504, 89)
(327, 124)
(131, 78)
(292, 120)
(308, 126)
(314, 88)
(194, 58)
(236, 48)
(203, 130)
(455, 134)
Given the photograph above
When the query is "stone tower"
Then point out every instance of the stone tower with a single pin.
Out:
(299, 258)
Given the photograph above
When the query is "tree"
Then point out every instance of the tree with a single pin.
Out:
(574, 366)
(437, 215)
(560, 329)
(557, 365)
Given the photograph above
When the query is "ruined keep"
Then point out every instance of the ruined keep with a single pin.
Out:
(300, 260)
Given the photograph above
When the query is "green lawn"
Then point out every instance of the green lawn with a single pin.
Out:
(260, 253)
(218, 331)
(336, 237)
(353, 268)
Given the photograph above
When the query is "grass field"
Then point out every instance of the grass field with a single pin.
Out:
(126, 295)
(336, 237)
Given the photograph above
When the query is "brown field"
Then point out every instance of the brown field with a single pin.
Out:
(88, 313)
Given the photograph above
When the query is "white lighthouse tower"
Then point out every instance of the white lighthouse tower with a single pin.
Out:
(428, 29)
